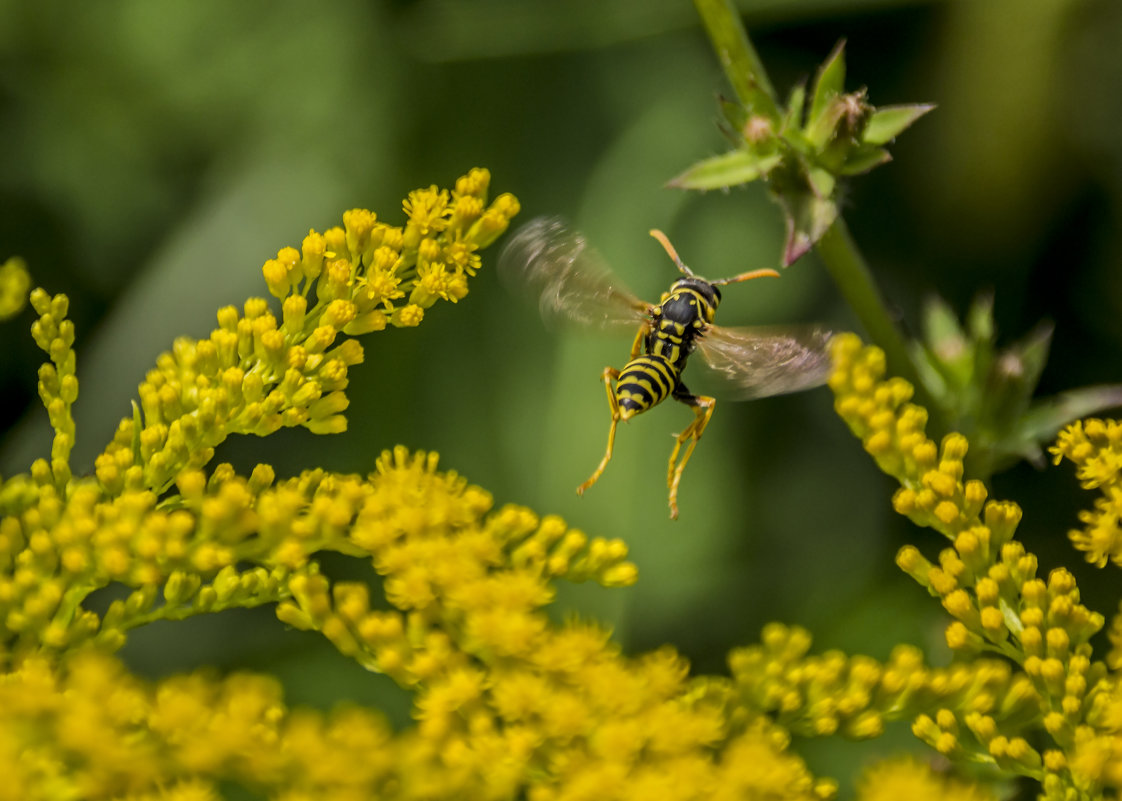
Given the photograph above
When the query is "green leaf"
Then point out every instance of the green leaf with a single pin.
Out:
(822, 182)
(863, 158)
(1031, 355)
(808, 216)
(1046, 417)
(728, 169)
(829, 84)
(941, 330)
(979, 320)
(792, 120)
(1010, 379)
(990, 388)
(887, 122)
(930, 373)
(954, 358)
(734, 113)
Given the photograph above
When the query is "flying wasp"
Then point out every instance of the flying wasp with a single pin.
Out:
(572, 285)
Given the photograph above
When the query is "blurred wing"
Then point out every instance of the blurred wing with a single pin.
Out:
(755, 362)
(555, 266)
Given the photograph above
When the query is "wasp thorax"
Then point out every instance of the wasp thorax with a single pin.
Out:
(691, 300)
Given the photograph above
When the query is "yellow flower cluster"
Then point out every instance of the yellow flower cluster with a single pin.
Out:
(56, 550)
(831, 693)
(87, 729)
(224, 540)
(505, 699)
(895, 779)
(58, 384)
(258, 372)
(1095, 447)
(15, 282)
(508, 698)
(987, 582)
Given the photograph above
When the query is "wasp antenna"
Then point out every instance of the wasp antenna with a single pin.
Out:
(662, 240)
(736, 279)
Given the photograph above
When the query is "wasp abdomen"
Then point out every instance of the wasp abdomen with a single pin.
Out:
(644, 382)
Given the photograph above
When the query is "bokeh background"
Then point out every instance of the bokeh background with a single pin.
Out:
(155, 154)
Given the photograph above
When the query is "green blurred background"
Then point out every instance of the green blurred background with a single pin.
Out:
(155, 154)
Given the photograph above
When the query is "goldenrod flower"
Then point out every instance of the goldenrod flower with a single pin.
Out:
(908, 778)
(989, 585)
(1095, 446)
(15, 282)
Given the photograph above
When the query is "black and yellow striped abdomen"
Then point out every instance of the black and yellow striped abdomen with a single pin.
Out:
(645, 382)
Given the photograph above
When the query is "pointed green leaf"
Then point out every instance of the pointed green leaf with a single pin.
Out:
(728, 169)
(734, 113)
(863, 159)
(1046, 417)
(1010, 381)
(1031, 355)
(1002, 455)
(941, 330)
(979, 320)
(807, 216)
(793, 119)
(822, 182)
(930, 374)
(888, 122)
(829, 84)
(820, 129)
(996, 393)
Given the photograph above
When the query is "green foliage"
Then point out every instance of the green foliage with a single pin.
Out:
(986, 392)
(800, 152)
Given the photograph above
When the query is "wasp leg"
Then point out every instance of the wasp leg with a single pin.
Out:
(640, 338)
(702, 406)
(609, 375)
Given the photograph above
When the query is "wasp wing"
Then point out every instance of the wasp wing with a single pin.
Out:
(554, 265)
(758, 361)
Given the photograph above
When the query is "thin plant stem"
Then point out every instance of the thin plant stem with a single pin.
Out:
(738, 58)
(843, 260)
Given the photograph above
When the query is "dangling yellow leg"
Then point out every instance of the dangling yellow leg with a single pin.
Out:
(610, 374)
(703, 409)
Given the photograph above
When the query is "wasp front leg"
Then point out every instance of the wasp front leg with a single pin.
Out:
(609, 375)
(702, 406)
(640, 338)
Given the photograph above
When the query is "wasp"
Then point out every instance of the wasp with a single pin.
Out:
(549, 261)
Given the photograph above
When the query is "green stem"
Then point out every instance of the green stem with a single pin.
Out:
(843, 260)
(738, 58)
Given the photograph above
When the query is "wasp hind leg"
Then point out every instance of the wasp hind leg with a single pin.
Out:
(610, 374)
(702, 406)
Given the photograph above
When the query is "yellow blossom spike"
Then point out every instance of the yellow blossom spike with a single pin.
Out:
(908, 777)
(15, 282)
